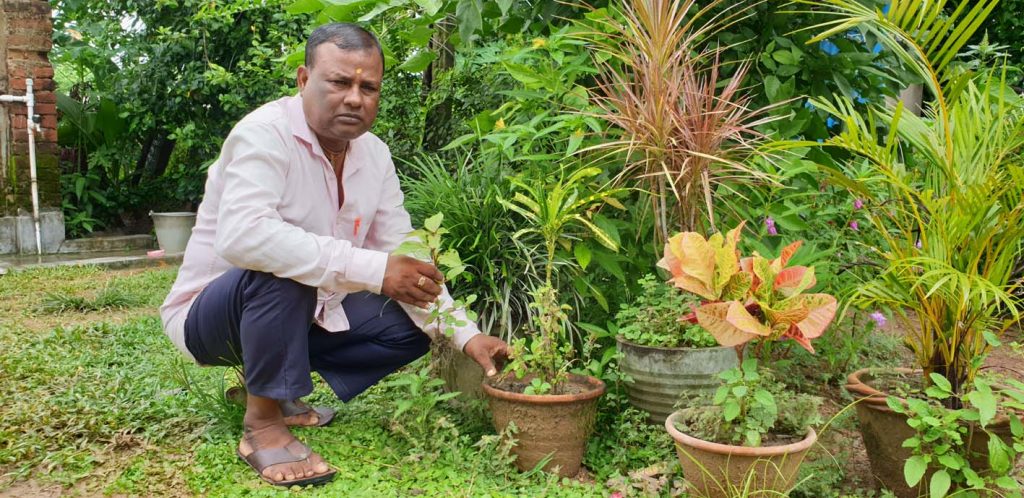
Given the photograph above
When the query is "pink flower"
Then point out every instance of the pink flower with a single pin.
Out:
(616, 494)
(770, 224)
(879, 318)
(858, 204)
(854, 225)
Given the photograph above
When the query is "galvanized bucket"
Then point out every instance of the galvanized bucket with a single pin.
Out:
(662, 375)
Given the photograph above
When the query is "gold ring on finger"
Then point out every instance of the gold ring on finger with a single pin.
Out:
(421, 281)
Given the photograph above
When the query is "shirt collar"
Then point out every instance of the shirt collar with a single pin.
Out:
(301, 131)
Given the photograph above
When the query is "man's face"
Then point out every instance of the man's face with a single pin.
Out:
(341, 93)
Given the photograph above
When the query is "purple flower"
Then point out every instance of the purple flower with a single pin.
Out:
(879, 318)
(854, 225)
(770, 224)
(858, 204)
(917, 244)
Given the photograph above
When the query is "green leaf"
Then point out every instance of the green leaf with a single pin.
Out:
(1007, 482)
(913, 470)
(753, 438)
(950, 461)
(998, 455)
(418, 36)
(434, 222)
(739, 391)
(504, 5)
(939, 484)
(991, 339)
(418, 62)
(941, 382)
(430, 6)
(1016, 427)
(304, 7)
(583, 255)
(771, 88)
(785, 57)
(984, 400)
(730, 410)
(720, 395)
(469, 14)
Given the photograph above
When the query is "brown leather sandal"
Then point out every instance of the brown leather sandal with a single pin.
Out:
(324, 415)
(295, 451)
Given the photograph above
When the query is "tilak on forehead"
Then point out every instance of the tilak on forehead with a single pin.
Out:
(359, 70)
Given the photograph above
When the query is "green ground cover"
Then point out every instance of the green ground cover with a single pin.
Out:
(97, 401)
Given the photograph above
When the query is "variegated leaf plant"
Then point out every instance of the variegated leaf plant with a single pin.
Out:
(747, 298)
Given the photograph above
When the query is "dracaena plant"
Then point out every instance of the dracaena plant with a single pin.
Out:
(683, 116)
(951, 183)
(747, 298)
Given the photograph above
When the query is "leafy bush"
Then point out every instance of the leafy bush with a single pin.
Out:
(749, 405)
(653, 318)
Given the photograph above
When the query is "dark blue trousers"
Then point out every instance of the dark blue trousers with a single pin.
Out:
(265, 323)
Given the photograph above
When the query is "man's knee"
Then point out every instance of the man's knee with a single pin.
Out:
(285, 290)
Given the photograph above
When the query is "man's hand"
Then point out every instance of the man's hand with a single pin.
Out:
(488, 351)
(411, 281)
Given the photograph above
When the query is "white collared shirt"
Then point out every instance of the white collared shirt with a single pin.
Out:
(271, 205)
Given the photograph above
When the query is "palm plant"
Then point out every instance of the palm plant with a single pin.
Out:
(953, 213)
(686, 128)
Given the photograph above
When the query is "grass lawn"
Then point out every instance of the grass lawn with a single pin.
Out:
(94, 400)
(97, 401)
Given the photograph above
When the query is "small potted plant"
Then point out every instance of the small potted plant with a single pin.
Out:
(552, 409)
(665, 357)
(752, 434)
(945, 191)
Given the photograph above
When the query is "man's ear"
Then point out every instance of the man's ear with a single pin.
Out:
(301, 77)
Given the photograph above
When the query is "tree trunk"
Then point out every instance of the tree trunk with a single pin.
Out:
(436, 122)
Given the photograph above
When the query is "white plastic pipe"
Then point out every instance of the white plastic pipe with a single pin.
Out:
(33, 127)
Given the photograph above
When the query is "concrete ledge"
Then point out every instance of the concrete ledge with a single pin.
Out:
(135, 259)
(115, 243)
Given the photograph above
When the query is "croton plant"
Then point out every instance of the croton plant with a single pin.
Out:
(747, 298)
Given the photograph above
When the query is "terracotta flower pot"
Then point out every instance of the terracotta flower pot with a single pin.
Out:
(883, 432)
(716, 470)
(557, 425)
(459, 372)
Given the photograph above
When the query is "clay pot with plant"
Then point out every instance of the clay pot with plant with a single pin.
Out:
(666, 358)
(752, 434)
(945, 191)
(553, 410)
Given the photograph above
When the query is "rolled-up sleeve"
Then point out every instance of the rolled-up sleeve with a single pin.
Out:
(391, 226)
(251, 233)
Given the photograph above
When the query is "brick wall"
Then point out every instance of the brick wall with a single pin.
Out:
(25, 34)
